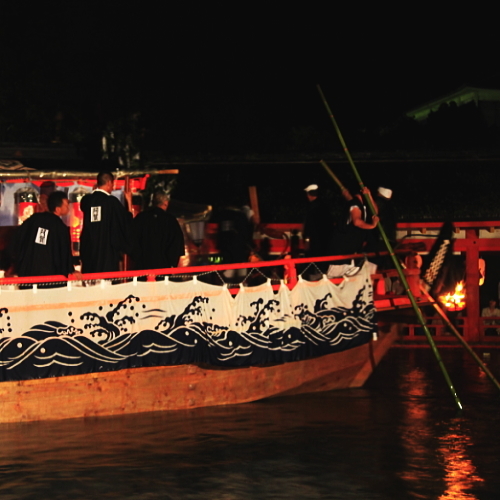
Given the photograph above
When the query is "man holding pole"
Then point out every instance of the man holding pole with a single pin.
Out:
(397, 264)
(353, 230)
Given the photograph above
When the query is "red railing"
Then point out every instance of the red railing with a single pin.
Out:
(289, 273)
(488, 333)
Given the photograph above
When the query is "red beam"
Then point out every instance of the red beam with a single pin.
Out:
(183, 270)
(437, 225)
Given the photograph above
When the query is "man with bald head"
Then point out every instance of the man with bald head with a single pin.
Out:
(106, 228)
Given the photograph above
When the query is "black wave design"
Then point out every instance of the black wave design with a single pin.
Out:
(106, 340)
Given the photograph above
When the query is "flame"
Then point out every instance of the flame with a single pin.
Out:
(454, 301)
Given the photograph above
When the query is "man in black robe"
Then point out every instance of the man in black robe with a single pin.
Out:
(42, 244)
(106, 228)
(318, 224)
(234, 234)
(388, 217)
(158, 240)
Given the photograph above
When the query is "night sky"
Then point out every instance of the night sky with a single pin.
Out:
(225, 77)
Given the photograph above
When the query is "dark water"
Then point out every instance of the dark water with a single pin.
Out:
(399, 437)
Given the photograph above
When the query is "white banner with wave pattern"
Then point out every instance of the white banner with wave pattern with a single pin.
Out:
(58, 331)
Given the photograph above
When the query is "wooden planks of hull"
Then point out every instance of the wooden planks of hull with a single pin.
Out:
(163, 388)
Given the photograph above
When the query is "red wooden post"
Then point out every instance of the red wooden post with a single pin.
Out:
(126, 189)
(379, 286)
(472, 330)
(290, 274)
(413, 279)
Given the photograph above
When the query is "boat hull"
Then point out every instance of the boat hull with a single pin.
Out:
(164, 388)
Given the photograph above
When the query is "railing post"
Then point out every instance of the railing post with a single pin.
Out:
(290, 273)
(413, 274)
(472, 329)
(378, 284)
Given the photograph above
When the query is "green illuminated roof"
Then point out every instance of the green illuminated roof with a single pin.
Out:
(461, 96)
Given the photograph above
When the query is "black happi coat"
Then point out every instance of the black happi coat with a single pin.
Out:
(350, 239)
(158, 241)
(234, 235)
(318, 228)
(42, 247)
(106, 233)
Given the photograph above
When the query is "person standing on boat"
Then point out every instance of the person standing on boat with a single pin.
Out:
(42, 244)
(352, 233)
(317, 229)
(387, 214)
(318, 224)
(106, 228)
(234, 236)
(158, 240)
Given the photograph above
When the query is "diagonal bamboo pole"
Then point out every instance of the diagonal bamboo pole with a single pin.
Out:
(332, 175)
(395, 260)
(450, 325)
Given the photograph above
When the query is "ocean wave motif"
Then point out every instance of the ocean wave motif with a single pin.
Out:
(97, 340)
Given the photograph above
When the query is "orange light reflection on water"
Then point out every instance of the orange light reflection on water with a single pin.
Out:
(418, 438)
(415, 429)
(460, 472)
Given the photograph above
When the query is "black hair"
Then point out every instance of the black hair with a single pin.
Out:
(104, 177)
(56, 200)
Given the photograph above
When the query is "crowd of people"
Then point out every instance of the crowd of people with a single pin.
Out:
(353, 232)
(153, 239)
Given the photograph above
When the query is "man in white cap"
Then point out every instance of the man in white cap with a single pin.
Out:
(357, 224)
(387, 212)
(385, 192)
(388, 218)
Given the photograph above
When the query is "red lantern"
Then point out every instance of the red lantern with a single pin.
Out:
(26, 200)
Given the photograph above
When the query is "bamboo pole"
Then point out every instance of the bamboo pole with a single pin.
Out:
(254, 203)
(455, 332)
(332, 175)
(395, 260)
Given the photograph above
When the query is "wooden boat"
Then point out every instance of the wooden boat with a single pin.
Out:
(69, 352)
(187, 386)
(51, 387)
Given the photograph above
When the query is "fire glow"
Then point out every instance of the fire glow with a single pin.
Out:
(454, 301)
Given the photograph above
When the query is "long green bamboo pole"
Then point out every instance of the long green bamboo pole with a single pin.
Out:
(455, 332)
(395, 260)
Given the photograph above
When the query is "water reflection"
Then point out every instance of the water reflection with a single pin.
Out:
(460, 473)
(415, 429)
(437, 444)
(398, 438)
